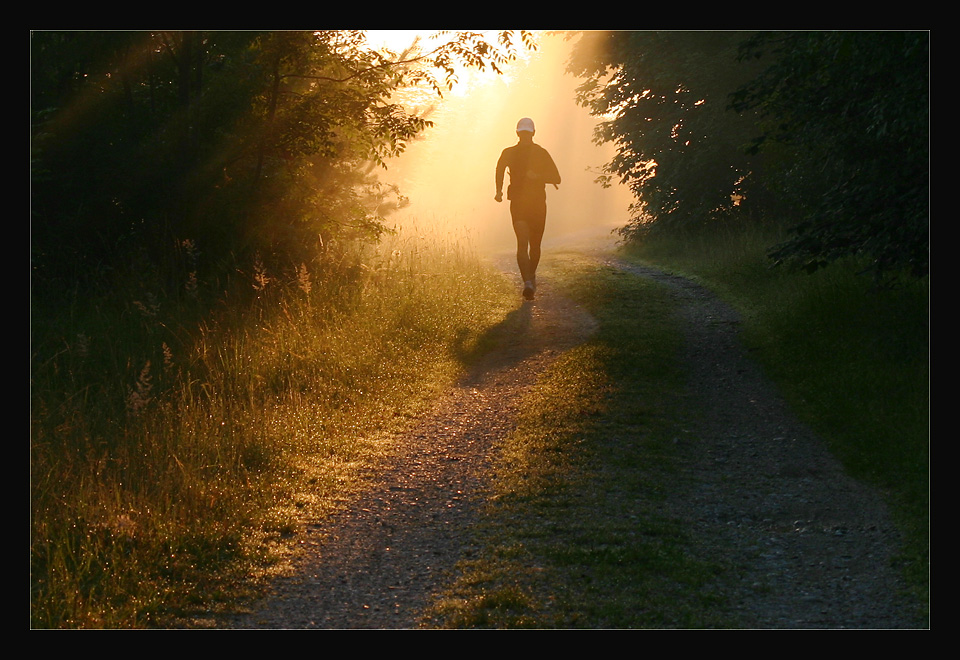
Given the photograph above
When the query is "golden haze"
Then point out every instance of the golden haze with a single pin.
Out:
(449, 173)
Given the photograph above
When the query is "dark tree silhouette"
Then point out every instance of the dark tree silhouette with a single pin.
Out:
(826, 132)
(852, 111)
(241, 142)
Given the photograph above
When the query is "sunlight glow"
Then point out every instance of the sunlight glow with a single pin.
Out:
(395, 40)
(449, 174)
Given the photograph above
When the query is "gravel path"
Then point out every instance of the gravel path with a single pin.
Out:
(811, 546)
(376, 564)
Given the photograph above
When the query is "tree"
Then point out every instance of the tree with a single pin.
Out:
(663, 99)
(828, 134)
(851, 112)
(240, 141)
(128, 131)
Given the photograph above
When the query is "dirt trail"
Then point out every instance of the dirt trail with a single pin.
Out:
(376, 564)
(811, 546)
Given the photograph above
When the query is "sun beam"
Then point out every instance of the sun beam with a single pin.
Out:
(449, 174)
(395, 40)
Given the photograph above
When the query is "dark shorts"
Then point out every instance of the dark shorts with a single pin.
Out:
(531, 211)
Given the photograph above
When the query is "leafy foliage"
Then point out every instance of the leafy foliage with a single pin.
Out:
(662, 97)
(828, 134)
(242, 142)
(852, 108)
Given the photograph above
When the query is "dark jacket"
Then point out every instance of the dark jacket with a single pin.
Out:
(531, 168)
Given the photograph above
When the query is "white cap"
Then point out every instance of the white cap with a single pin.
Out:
(526, 124)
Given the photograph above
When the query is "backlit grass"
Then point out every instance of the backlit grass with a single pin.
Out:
(177, 443)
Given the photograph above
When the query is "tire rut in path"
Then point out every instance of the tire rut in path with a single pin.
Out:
(376, 563)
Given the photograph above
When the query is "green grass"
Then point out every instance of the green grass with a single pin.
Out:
(176, 444)
(853, 360)
(574, 536)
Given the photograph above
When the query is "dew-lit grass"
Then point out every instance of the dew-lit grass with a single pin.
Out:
(177, 446)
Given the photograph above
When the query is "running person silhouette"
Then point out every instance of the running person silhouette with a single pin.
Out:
(531, 168)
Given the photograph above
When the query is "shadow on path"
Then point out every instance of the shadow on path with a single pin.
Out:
(376, 563)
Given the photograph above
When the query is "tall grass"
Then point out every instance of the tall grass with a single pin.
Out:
(853, 359)
(177, 440)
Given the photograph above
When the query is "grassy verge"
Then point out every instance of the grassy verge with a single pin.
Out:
(176, 445)
(852, 359)
(574, 536)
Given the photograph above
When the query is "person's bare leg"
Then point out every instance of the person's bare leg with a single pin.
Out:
(522, 230)
(534, 237)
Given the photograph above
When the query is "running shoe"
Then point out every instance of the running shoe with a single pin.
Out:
(528, 290)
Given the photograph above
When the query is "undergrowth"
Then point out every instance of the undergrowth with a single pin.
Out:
(177, 441)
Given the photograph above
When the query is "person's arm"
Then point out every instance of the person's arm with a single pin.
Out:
(501, 168)
(552, 174)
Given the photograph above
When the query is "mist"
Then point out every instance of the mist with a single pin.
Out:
(449, 174)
